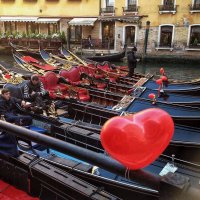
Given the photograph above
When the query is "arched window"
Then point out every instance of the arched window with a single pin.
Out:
(194, 38)
(166, 36)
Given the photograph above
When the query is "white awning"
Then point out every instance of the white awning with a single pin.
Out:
(82, 21)
(48, 20)
(18, 19)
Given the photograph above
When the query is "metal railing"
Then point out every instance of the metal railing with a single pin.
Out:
(169, 8)
(163, 45)
(108, 10)
(194, 7)
(130, 8)
(97, 159)
(192, 46)
(98, 44)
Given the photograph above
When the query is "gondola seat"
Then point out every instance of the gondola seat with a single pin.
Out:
(105, 66)
(59, 90)
(90, 71)
(50, 82)
(83, 95)
(101, 85)
(73, 75)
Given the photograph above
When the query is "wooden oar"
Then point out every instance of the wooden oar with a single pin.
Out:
(4, 69)
(80, 60)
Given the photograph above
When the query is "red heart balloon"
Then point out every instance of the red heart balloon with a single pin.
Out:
(164, 78)
(152, 96)
(137, 140)
(159, 81)
(162, 71)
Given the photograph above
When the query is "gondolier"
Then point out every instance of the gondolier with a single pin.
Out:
(34, 92)
(132, 62)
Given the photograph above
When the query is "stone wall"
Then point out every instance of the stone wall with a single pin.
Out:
(179, 42)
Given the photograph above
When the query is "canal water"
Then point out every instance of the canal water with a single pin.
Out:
(178, 71)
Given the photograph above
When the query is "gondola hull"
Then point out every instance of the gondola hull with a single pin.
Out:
(168, 97)
(40, 168)
(181, 114)
(88, 135)
(174, 86)
(115, 57)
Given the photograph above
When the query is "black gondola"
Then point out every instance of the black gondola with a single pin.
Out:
(81, 124)
(114, 57)
(174, 86)
(147, 181)
(182, 114)
(172, 98)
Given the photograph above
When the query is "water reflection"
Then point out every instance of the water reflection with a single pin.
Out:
(174, 70)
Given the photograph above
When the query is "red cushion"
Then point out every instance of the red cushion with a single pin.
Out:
(104, 67)
(51, 80)
(29, 59)
(101, 85)
(72, 75)
(83, 91)
(98, 76)
(84, 97)
(112, 79)
(43, 80)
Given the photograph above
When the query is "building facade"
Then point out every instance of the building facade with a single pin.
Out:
(173, 25)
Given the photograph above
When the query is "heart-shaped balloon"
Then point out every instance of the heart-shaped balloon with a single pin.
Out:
(164, 78)
(137, 140)
(152, 96)
(159, 81)
(162, 71)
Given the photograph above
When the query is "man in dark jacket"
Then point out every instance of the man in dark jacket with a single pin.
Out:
(8, 112)
(132, 62)
(34, 92)
(8, 109)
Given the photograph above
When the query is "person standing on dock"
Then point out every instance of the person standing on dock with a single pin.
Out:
(132, 61)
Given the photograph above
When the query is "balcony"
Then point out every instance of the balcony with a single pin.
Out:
(194, 8)
(130, 9)
(167, 9)
(108, 10)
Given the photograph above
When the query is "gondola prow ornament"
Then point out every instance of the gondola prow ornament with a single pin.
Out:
(152, 96)
(137, 140)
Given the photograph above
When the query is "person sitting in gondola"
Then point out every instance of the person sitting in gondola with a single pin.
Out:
(9, 112)
(35, 93)
(9, 106)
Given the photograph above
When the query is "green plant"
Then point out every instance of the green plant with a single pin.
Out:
(195, 42)
(24, 35)
(63, 36)
(7, 34)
